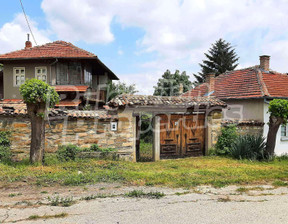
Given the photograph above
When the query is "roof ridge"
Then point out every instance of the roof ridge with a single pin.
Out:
(50, 49)
(261, 83)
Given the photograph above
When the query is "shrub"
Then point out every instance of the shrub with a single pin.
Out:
(249, 147)
(94, 148)
(146, 128)
(67, 152)
(5, 152)
(5, 138)
(225, 140)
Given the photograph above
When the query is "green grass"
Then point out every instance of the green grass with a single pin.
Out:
(279, 183)
(186, 173)
(146, 151)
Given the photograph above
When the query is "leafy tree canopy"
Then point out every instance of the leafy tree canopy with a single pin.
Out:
(116, 89)
(169, 84)
(36, 91)
(221, 57)
(279, 108)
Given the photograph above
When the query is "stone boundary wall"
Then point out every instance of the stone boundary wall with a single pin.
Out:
(247, 127)
(215, 123)
(214, 127)
(80, 132)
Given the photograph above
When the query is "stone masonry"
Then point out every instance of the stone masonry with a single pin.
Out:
(79, 131)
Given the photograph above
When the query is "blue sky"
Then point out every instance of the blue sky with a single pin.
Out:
(140, 39)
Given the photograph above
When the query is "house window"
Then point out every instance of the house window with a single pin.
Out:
(19, 76)
(69, 73)
(284, 130)
(41, 73)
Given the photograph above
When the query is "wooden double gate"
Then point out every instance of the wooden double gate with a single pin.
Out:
(182, 135)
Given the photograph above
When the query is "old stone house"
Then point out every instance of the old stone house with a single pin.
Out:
(247, 93)
(77, 75)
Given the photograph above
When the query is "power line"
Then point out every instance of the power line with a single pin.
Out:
(27, 22)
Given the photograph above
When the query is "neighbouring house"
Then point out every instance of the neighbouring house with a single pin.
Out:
(247, 93)
(78, 76)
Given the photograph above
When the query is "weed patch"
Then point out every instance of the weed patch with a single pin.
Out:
(142, 194)
(36, 217)
(279, 183)
(64, 202)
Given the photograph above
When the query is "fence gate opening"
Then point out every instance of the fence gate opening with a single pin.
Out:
(182, 135)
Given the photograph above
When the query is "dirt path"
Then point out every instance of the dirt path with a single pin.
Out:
(107, 203)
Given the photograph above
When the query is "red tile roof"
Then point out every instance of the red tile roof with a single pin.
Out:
(251, 82)
(162, 101)
(15, 108)
(71, 88)
(57, 49)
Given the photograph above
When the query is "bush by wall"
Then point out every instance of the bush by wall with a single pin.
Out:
(67, 152)
(5, 152)
(225, 140)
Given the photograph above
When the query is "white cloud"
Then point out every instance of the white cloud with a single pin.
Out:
(14, 34)
(177, 32)
(174, 29)
(77, 20)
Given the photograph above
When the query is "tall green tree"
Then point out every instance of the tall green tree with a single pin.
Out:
(118, 88)
(38, 96)
(170, 84)
(221, 57)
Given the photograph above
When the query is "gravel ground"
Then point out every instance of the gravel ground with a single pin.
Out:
(260, 204)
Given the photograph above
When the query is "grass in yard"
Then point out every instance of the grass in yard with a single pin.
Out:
(146, 151)
(186, 173)
(279, 183)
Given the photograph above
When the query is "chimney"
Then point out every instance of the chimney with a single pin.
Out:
(264, 62)
(181, 89)
(210, 80)
(28, 43)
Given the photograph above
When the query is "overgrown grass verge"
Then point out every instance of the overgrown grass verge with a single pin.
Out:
(186, 173)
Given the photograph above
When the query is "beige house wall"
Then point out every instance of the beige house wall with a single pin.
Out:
(12, 92)
(244, 110)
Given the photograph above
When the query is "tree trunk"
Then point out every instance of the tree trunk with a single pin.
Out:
(36, 114)
(274, 124)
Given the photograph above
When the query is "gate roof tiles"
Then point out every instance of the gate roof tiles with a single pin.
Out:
(173, 101)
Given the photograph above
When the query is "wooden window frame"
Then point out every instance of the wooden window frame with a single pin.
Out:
(15, 76)
(36, 74)
(286, 130)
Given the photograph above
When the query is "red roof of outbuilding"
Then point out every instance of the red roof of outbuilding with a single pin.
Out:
(251, 82)
(57, 49)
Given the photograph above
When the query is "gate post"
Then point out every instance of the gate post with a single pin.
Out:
(156, 138)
